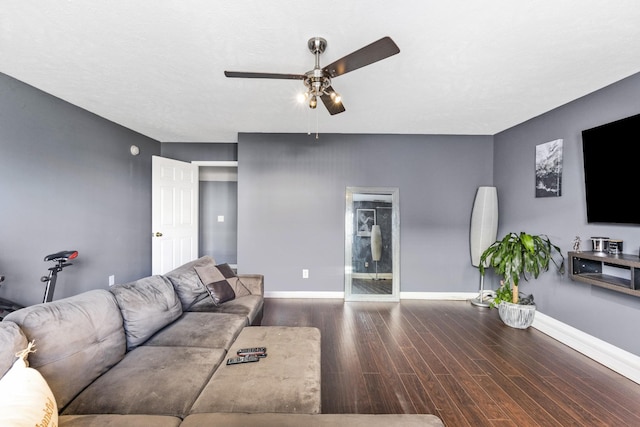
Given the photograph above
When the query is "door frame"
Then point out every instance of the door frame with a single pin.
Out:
(394, 192)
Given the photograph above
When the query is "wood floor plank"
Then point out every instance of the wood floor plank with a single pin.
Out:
(512, 412)
(468, 405)
(456, 361)
(624, 405)
(420, 398)
(585, 403)
(513, 395)
(560, 407)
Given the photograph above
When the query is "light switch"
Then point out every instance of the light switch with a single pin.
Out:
(220, 218)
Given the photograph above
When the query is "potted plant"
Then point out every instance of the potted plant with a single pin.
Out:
(516, 256)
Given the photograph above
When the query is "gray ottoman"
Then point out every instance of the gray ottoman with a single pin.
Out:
(286, 381)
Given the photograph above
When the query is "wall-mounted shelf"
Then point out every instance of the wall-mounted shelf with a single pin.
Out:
(589, 267)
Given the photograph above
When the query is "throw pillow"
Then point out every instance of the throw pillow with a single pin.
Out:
(25, 396)
(220, 292)
(221, 283)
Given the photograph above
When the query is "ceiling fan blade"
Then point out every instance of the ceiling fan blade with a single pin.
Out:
(376, 51)
(245, 75)
(332, 107)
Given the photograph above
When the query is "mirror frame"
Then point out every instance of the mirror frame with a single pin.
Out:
(394, 192)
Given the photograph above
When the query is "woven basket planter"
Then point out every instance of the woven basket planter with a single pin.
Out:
(517, 315)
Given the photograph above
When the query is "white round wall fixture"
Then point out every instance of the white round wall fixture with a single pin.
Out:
(134, 150)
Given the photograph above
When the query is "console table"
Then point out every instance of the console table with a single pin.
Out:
(588, 267)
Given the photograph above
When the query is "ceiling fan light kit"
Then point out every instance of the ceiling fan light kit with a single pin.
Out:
(318, 80)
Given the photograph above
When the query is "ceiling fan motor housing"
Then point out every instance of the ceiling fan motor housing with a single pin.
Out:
(317, 45)
(317, 81)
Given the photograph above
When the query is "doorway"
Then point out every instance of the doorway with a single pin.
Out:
(218, 227)
(182, 226)
(372, 244)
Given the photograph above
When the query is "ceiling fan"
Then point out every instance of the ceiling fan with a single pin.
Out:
(318, 80)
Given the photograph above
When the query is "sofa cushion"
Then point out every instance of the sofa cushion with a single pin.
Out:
(221, 282)
(25, 396)
(186, 282)
(147, 305)
(208, 330)
(253, 282)
(78, 339)
(115, 420)
(12, 340)
(150, 380)
(249, 306)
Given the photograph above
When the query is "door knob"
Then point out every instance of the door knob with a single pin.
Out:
(158, 234)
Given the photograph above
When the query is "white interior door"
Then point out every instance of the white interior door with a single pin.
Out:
(174, 218)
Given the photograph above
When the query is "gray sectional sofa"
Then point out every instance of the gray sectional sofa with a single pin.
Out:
(153, 352)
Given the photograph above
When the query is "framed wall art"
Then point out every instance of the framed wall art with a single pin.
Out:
(365, 218)
(549, 169)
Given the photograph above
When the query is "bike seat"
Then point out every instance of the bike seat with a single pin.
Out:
(62, 255)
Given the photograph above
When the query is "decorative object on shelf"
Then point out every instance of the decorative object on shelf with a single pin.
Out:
(376, 246)
(599, 244)
(549, 169)
(615, 246)
(483, 232)
(576, 244)
(514, 257)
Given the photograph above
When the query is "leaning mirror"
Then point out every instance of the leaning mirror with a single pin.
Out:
(372, 249)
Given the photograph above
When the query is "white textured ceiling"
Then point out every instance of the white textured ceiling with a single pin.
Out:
(464, 67)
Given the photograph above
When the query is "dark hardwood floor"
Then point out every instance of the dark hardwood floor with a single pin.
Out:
(456, 361)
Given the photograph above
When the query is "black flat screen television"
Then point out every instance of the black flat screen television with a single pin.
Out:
(611, 155)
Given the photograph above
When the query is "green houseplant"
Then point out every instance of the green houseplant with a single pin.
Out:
(519, 256)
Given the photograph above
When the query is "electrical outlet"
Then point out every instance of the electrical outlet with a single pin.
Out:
(305, 273)
(112, 280)
(366, 264)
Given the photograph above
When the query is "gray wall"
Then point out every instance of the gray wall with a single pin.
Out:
(69, 182)
(291, 207)
(219, 239)
(610, 316)
(190, 151)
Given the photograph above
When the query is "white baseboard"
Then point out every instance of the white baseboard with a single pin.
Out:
(456, 296)
(302, 294)
(614, 358)
(451, 296)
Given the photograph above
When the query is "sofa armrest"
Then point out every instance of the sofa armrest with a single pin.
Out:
(253, 282)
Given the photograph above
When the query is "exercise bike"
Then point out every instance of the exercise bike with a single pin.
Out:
(7, 306)
(60, 258)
